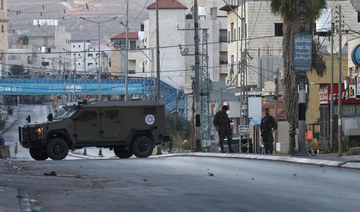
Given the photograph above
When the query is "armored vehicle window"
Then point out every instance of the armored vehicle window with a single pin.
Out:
(88, 116)
(66, 112)
(111, 114)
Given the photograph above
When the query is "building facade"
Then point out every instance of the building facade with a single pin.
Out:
(4, 20)
(261, 33)
(136, 55)
(49, 44)
(177, 41)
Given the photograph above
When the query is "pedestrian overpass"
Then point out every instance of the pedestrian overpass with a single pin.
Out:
(145, 87)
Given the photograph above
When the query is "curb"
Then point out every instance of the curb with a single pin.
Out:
(352, 164)
(88, 156)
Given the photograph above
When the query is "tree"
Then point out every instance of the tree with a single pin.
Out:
(289, 11)
(17, 70)
(24, 39)
(178, 127)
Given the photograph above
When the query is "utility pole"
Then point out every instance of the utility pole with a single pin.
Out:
(197, 80)
(158, 93)
(243, 50)
(85, 70)
(340, 89)
(74, 73)
(127, 51)
(64, 83)
(99, 65)
(302, 91)
(158, 96)
(99, 71)
(332, 89)
(276, 104)
(205, 88)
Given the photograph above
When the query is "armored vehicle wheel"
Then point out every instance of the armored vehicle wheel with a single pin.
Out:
(38, 154)
(142, 147)
(121, 152)
(57, 149)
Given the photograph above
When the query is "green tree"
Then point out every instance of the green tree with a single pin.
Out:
(17, 70)
(178, 128)
(24, 39)
(289, 11)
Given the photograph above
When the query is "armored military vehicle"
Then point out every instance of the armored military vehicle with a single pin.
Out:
(127, 127)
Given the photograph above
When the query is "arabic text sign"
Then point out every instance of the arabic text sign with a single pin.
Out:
(244, 129)
(302, 52)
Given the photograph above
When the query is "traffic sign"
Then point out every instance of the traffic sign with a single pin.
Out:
(244, 129)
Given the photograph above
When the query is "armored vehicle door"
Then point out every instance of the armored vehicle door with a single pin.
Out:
(110, 123)
(86, 125)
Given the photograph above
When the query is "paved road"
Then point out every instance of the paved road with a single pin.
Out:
(185, 184)
(38, 114)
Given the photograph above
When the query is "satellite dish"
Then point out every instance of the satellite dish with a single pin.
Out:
(336, 44)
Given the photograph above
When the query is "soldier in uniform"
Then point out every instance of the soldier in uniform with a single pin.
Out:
(268, 126)
(222, 125)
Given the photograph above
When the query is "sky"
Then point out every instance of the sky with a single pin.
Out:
(22, 13)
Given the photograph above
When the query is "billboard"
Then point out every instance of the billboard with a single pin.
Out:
(59, 88)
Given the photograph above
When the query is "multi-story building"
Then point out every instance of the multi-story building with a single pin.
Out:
(4, 20)
(176, 26)
(85, 58)
(80, 56)
(262, 37)
(136, 57)
(19, 54)
(47, 41)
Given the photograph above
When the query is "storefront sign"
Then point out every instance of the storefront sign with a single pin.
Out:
(325, 91)
(355, 55)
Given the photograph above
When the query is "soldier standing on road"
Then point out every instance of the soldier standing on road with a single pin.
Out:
(222, 125)
(268, 126)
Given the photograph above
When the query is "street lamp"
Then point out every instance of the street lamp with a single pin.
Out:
(99, 64)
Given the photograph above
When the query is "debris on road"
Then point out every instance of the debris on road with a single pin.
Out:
(50, 174)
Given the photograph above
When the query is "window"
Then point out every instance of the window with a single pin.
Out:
(279, 29)
(90, 64)
(109, 63)
(132, 44)
(88, 116)
(359, 16)
(232, 36)
(2, 28)
(2, 4)
(90, 55)
(73, 46)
